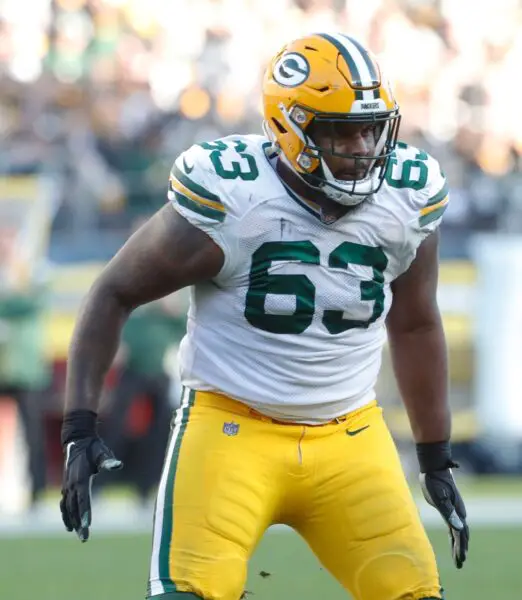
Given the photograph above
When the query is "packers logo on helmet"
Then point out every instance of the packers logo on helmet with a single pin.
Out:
(291, 69)
(329, 78)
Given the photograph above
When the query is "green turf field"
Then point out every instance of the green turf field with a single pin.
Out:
(115, 568)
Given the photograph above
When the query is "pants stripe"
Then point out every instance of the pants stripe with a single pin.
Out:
(162, 530)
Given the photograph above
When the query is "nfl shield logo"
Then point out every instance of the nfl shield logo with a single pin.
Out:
(230, 428)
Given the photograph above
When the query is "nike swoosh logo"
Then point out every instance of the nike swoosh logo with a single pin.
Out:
(353, 432)
(186, 167)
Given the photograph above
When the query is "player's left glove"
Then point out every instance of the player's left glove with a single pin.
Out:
(85, 456)
(440, 490)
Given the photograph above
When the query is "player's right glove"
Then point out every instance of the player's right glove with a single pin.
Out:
(85, 456)
(440, 490)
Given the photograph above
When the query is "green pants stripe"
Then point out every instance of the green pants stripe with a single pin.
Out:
(159, 579)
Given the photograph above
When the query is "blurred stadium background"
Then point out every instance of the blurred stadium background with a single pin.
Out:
(97, 97)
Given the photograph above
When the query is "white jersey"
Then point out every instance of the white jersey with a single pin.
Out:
(294, 323)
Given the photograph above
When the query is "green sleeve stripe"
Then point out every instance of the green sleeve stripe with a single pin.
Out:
(193, 186)
(205, 211)
(439, 195)
(432, 216)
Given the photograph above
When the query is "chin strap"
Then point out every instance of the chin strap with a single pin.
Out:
(345, 197)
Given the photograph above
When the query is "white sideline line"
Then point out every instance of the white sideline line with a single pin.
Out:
(120, 517)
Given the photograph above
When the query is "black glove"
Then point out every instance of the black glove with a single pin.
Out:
(440, 490)
(85, 456)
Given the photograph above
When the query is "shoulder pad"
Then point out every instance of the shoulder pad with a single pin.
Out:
(191, 180)
(420, 175)
(215, 178)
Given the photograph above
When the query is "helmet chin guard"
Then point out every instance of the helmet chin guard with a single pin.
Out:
(341, 191)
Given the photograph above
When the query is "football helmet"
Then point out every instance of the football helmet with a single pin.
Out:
(329, 78)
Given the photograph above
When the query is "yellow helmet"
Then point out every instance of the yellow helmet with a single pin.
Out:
(328, 78)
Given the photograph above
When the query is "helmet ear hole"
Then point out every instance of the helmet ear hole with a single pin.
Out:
(279, 126)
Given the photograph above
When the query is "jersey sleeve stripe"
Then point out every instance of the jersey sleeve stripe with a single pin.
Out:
(177, 186)
(201, 209)
(432, 213)
(431, 207)
(439, 195)
(194, 187)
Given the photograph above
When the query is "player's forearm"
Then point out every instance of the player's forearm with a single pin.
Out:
(93, 348)
(421, 368)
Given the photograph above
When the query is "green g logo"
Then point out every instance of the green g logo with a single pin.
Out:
(291, 70)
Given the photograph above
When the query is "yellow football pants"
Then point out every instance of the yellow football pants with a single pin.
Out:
(230, 473)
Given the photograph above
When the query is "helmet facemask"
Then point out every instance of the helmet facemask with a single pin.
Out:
(372, 168)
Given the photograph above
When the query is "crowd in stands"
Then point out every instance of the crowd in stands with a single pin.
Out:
(103, 94)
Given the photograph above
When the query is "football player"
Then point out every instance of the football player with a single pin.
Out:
(302, 248)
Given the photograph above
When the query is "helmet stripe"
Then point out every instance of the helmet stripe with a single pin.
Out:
(358, 57)
(362, 68)
(348, 59)
(374, 74)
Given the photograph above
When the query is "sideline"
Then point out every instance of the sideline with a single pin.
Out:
(125, 517)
